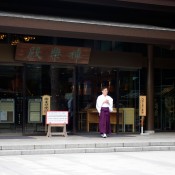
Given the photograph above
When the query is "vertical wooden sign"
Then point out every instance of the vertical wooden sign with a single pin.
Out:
(45, 104)
(142, 110)
(142, 106)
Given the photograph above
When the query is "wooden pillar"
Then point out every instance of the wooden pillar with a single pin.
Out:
(24, 100)
(75, 92)
(54, 88)
(117, 100)
(150, 90)
(54, 74)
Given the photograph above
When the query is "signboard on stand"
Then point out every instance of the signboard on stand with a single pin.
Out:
(142, 110)
(142, 105)
(56, 119)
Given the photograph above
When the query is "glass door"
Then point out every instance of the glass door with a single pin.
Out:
(37, 84)
(62, 92)
(123, 86)
(129, 84)
(164, 101)
(55, 81)
(11, 98)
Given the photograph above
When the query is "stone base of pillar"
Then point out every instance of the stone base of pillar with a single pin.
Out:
(144, 134)
(150, 131)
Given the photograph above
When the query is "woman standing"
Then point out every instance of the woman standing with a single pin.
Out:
(104, 105)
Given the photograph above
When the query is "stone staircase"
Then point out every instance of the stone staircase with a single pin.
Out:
(34, 149)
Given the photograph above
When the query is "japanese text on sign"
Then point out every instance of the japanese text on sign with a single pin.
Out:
(142, 106)
(57, 117)
(45, 104)
(52, 53)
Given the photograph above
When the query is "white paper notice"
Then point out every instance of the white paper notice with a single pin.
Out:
(3, 115)
(57, 117)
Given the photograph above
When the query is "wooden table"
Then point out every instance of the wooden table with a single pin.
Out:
(93, 117)
(126, 117)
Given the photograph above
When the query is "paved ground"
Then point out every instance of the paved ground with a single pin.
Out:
(84, 138)
(120, 163)
(130, 163)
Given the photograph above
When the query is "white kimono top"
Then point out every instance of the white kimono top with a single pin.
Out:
(101, 99)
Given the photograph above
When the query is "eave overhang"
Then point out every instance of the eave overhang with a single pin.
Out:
(84, 29)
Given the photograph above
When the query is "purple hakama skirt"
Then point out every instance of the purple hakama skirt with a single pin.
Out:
(104, 121)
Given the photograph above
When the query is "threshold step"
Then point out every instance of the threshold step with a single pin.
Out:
(85, 150)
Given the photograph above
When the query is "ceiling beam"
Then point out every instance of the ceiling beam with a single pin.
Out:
(169, 3)
(85, 30)
(153, 2)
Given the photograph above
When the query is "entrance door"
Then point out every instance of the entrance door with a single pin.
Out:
(164, 101)
(129, 83)
(62, 92)
(11, 98)
(123, 86)
(54, 81)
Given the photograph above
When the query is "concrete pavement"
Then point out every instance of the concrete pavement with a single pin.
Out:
(128, 163)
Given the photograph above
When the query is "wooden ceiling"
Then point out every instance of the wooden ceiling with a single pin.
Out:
(159, 13)
(150, 12)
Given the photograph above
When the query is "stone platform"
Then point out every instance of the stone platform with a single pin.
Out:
(85, 143)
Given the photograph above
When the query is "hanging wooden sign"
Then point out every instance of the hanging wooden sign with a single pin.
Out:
(52, 53)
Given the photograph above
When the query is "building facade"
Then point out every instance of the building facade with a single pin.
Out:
(70, 49)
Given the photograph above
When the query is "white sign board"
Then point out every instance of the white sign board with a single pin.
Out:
(57, 117)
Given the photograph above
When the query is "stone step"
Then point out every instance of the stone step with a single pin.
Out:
(85, 148)
(85, 145)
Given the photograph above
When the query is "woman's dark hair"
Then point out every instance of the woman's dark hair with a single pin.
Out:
(104, 87)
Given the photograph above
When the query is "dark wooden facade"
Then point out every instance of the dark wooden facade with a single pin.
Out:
(148, 22)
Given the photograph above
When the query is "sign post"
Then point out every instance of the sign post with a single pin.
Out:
(56, 119)
(142, 111)
(45, 104)
(46, 101)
